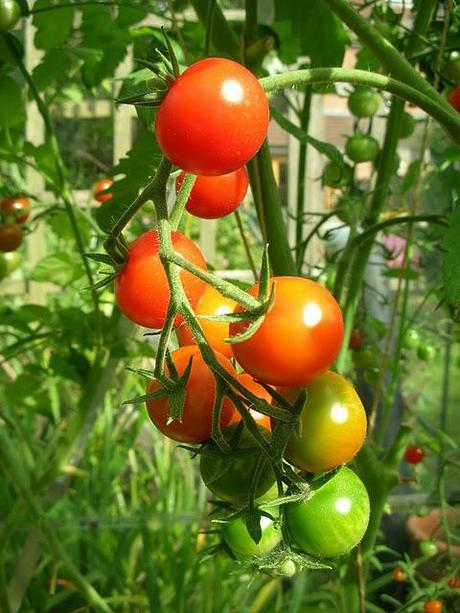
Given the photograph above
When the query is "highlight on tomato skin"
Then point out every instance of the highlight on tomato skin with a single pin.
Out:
(259, 391)
(414, 454)
(200, 389)
(18, 207)
(103, 185)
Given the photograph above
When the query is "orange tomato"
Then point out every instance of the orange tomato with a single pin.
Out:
(260, 392)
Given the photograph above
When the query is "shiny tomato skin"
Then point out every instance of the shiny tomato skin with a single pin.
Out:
(211, 302)
(332, 519)
(18, 207)
(454, 98)
(332, 425)
(196, 424)
(101, 187)
(10, 237)
(213, 119)
(142, 289)
(414, 454)
(260, 392)
(214, 197)
(433, 606)
(238, 539)
(299, 338)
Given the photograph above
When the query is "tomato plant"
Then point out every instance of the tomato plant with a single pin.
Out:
(363, 102)
(216, 332)
(10, 14)
(398, 575)
(337, 176)
(100, 187)
(10, 237)
(433, 606)
(195, 426)
(259, 391)
(213, 119)
(303, 312)
(362, 148)
(237, 537)
(414, 454)
(229, 476)
(333, 517)
(18, 207)
(141, 287)
(217, 196)
(332, 425)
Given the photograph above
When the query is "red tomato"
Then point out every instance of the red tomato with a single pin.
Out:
(414, 454)
(299, 337)
(18, 207)
(213, 119)
(454, 98)
(260, 392)
(211, 303)
(398, 575)
(332, 425)
(142, 289)
(356, 340)
(433, 606)
(454, 582)
(100, 187)
(196, 424)
(213, 197)
(10, 237)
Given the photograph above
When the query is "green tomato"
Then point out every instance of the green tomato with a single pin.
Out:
(426, 352)
(428, 548)
(9, 261)
(229, 476)
(362, 148)
(364, 358)
(333, 518)
(363, 102)
(411, 339)
(10, 14)
(408, 124)
(237, 537)
(452, 68)
(337, 176)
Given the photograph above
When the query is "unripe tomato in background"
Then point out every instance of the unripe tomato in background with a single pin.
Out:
(10, 13)
(362, 148)
(363, 102)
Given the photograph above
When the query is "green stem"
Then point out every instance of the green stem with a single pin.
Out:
(445, 394)
(222, 36)
(301, 171)
(181, 200)
(246, 245)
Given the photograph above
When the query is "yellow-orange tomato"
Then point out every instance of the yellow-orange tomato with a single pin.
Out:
(211, 303)
(260, 392)
(332, 425)
(200, 392)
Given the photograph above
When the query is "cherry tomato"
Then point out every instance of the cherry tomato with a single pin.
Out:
(10, 14)
(237, 537)
(337, 176)
(299, 338)
(18, 207)
(9, 262)
(452, 68)
(364, 357)
(101, 187)
(428, 548)
(200, 390)
(356, 340)
(142, 289)
(10, 237)
(211, 303)
(426, 352)
(454, 582)
(229, 476)
(433, 606)
(408, 124)
(398, 575)
(454, 98)
(213, 197)
(411, 339)
(333, 518)
(332, 425)
(213, 119)
(414, 454)
(260, 392)
(363, 102)
(362, 148)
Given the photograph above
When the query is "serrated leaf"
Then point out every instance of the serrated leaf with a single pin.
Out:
(103, 258)
(54, 28)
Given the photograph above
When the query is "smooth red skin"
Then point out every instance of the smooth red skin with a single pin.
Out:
(201, 131)
(454, 98)
(100, 187)
(18, 206)
(211, 303)
(356, 340)
(414, 454)
(200, 389)
(10, 237)
(214, 197)
(285, 350)
(433, 606)
(142, 289)
(260, 392)
(398, 575)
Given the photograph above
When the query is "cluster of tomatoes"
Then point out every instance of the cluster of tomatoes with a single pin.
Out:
(14, 212)
(290, 352)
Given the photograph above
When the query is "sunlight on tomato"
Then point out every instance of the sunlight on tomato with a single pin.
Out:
(237, 536)
(260, 392)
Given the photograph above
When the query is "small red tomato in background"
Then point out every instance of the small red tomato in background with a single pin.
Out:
(299, 338)
(213, 119)
(259, 391)
(18, 207)
(454, 582)
(142, 289)
(398, 575)
(454, 98)
(356, 340)
(211, 303)
(414, 454)
(10, 237)
(214, 197)
(101, 187)
(200, 390)
(433, 606)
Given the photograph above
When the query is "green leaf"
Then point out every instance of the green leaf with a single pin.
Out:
(60, 224)
(45, 160)
(12, 111)
(34, 312)
(5, 53)
(54, 68)
(451, 263)
(253, 526)
(53, 28)
(59, 268)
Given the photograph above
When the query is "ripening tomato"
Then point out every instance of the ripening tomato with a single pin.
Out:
(101, 187)
(237, 537)
(216, 332)
(142, 289)
(213, 119)
(299, 338)
(433, 606)
(229, 475)
(414, 454)
(398, 575)
(10, 237)
(362, 148)
(454, 98)
(454, 582)
(214, 197)
(200, 392)
(260, 392)
(333, 518)
(332, 425)
(356, 340)
(18, 207)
